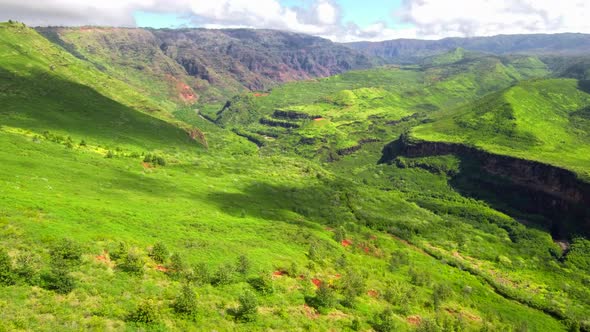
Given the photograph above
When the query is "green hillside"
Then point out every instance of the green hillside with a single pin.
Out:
(543, 120)
(120, 211)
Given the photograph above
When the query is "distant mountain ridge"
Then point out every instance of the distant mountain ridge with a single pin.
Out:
(192, 63)
(412, 50)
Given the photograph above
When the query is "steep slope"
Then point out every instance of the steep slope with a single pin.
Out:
(189, 64)
(46, 90)
(411, 51)
(543, 120)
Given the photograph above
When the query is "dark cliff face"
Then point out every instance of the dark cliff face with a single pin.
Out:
(258, 58)
(533, 187)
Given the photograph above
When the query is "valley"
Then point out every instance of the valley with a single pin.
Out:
(254, 180)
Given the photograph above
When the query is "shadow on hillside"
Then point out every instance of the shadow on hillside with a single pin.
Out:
(584, 85)
(44, 102)
(319, 203)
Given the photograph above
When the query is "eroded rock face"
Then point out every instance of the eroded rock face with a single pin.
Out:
(554, 192)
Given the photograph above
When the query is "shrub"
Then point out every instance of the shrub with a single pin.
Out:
(82, 143)
(177, 265)
(66, 252)
(262, 284)
(441, 293)
(385, 322)
(199, 274)
(58, 279)
(110, 154)
(159, 253)
(7, 275)
(186, 301)
(132, 262)
(353, 285)
(25, 267)
(248, 308)
(243, 265)
(398, 258)
(146, 313)
(223, 275)
(324, 298)
(119, 252)
(419, 278)
(399, 293)
(339, 234)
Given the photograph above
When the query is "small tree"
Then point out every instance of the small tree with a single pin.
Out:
(441, 293)
(132, 263)
(262, 284)
(58, 279)
(25, 267)
(353, 285)
(186, 302)
(223, 275)
(398, 258)
(7, 275)
(110, 154)
(243, 265)
(177, 266)
(324, 298)
(159, 253)
(248, 308)
(66, 252)
(385, 322)
(339, 234)
(146, 313)
(199, 274)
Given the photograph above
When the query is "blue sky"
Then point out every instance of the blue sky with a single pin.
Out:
(362, 13)
(338, 20)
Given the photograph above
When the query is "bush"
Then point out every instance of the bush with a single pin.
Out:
(324, 298)
(177, 266)
(199, 274)
(119, 252)
(398, 258)
(262, 284)
(26, 267)
(58, 279)
(419, 278)
(110, 154)
(159, 253)
(441, 293)
(385, 322)
(146, 313)
(243, 265)
(66, 252)
(339, 234)
(132, 263)
(223, 275)
(186, 302)
(248, 308)
(353, 285)
(7, 275)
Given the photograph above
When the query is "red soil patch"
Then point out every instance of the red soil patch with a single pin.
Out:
(301, 277)
(346, 243)
(279, 273)
(260, 94)
(337, 276)
(102, 258)
(161, 268)
(329, 229)
(414, 320)
(310, 312)
(316, 282)
(373, 293)
(147, 165)
(319, 119)
(366, 249)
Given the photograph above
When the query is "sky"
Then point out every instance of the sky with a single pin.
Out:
(338, 20)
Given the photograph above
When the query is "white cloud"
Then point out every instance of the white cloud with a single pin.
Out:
(436, 19)
(425, 18)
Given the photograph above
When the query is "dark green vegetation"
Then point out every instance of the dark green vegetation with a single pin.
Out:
(411, 51)
(116, 214)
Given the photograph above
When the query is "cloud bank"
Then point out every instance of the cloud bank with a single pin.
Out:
(425, 19)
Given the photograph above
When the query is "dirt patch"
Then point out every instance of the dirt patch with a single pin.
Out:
(278, 273)
(414, 320)
(373, 293)
(310, 312)
(103, 258)
(346, 243)
(316, 282)
(258, 95)
(319, 119)
(337, 276)
(161, 268)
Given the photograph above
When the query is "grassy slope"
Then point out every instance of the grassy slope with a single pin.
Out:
(211, 207)
(543, 120)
